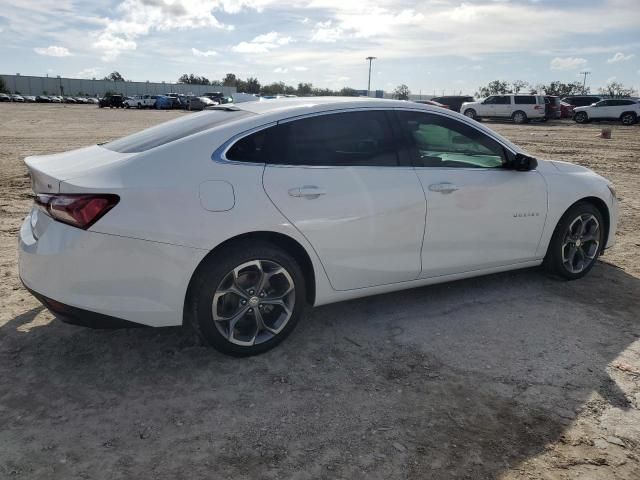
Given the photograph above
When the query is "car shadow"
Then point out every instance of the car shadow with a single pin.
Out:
(462, 380)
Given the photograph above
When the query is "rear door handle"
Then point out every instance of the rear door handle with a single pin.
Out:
(307, 191)
(443, 187)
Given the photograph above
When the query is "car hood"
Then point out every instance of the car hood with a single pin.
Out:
(567, 167)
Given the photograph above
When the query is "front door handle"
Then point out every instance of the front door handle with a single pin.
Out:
(443, 187)
(308, 191)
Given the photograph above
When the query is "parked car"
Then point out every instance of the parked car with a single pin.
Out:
(55, 99)
(625, 110)
(519, 108)
(432, 103)
(566, 110)
(200, 103)
(140, 101)
(4, 97)
(581, 100)
(112, 101)
(43, 99)
(162, 102)
(454, 102)
(93, 100)
(161, 227)
(70, 100)
(219, 97)
(29, 98)
(552, 107)
(17, 98)
(81, 100)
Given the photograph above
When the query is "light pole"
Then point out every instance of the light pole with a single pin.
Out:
(584, 81)
(369, 84)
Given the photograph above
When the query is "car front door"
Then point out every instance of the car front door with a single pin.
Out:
(488, 107)
(602, 109)
(336, 178)
(503, 106)
(480, 214)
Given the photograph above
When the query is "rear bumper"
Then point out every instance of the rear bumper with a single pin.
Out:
(91, 277)
(78, 316)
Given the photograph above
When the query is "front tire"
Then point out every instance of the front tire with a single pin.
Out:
(471, 113)
(581, 117)
(247, 299)
(576, 242)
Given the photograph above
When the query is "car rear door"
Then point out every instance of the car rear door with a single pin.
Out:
(480, 214)
(336, 178)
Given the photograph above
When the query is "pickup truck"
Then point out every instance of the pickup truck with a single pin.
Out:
(140, 101)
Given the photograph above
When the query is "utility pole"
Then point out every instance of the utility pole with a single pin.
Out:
(584, 81)
(369, 84)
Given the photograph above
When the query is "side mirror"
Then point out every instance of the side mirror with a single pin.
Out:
(523, 163)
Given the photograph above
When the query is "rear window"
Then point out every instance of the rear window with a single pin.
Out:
(525, 100)
(174, 130)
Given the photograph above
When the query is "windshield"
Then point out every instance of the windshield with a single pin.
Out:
(174, 130)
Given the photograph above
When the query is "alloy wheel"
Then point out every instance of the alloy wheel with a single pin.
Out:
(628, 119)
(581, 243)
(253, 302)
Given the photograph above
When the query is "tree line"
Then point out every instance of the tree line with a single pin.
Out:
(556, 88)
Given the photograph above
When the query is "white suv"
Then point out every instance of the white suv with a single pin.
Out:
(140, 101)
(625, 110)
(520, 108)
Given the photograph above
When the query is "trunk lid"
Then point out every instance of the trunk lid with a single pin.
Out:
(48, 171)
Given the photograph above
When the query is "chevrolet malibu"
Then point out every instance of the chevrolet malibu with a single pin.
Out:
(235, 219)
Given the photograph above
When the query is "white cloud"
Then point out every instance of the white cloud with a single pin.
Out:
(280, 70)
(53, 51)
(567, 63)
(204, 53)
(88, 73)
(136, 18)
(112, 45)
(326, 33)
(262, 43)
(620, 57)
(300, 69)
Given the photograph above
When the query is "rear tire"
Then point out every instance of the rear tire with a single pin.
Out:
(581, 117)
(628, 118)
(576, 243)
(519, 117)
(247, 298)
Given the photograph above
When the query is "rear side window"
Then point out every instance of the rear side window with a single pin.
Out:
(361, 138)
(525, 100)
(174, 130)
(255, 148)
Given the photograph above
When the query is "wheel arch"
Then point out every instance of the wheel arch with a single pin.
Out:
(602, 208)
(628, 111)
(287, 243)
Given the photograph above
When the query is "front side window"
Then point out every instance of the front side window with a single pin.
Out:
(436, 141)
(491, 101)
(360, 138)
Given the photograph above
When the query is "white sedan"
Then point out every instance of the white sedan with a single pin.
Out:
(235, 219)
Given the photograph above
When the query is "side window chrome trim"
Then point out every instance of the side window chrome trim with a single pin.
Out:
(220, 154)
(464, 121)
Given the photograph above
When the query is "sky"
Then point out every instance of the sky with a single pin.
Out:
(433, 46)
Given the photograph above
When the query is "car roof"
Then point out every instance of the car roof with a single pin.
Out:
(318, 104)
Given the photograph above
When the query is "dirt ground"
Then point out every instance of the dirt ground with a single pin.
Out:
(511, 376)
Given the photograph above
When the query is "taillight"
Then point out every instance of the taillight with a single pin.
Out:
(79, 210)
(538, 107)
